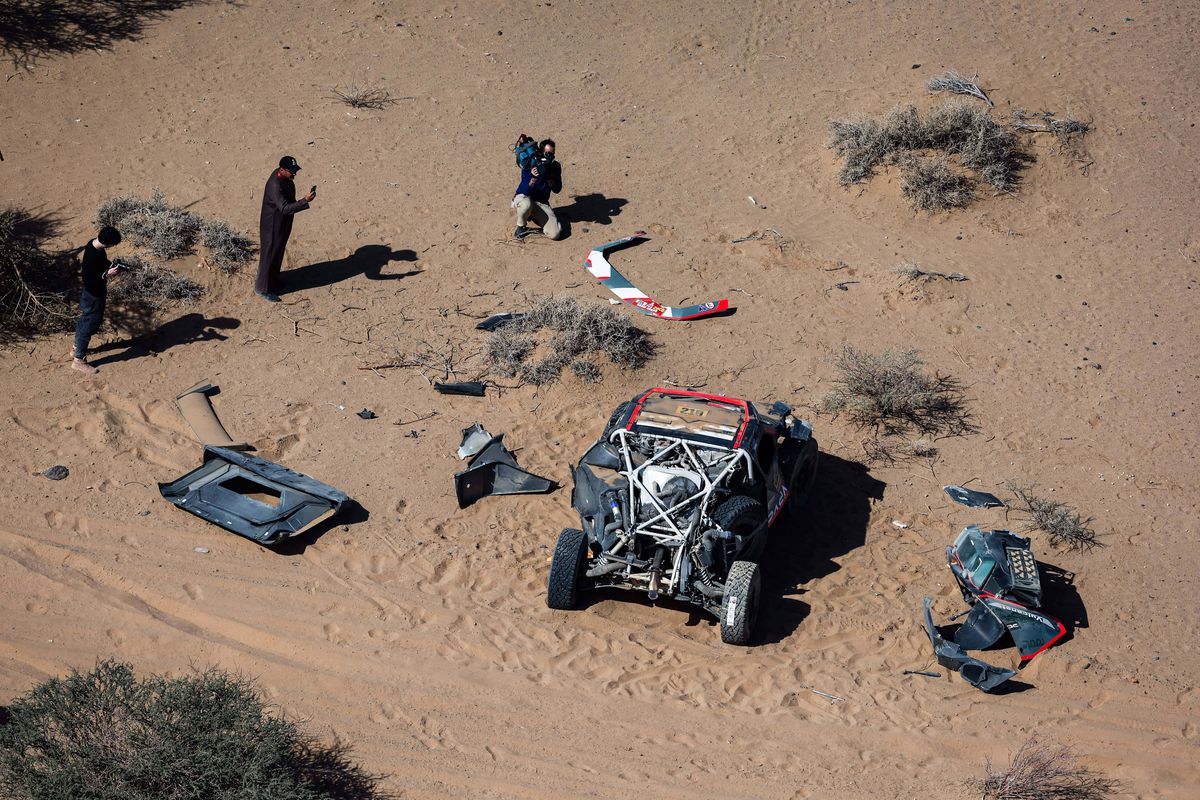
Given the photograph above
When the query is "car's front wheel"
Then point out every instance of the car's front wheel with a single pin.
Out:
(566, 570)
(739, 604)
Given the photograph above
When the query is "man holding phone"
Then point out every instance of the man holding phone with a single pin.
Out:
(275, 225)
(96, 270)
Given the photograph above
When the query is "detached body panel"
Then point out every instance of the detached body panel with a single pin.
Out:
(253, 497)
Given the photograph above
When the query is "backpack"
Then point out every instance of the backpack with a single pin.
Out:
(526, 151)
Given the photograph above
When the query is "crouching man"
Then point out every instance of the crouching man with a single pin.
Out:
(532, 200)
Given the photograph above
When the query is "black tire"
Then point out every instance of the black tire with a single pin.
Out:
(566, 570)
(739, 604)
(804, 475)
(739, 514)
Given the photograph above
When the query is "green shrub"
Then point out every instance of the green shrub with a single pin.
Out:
(109, 735)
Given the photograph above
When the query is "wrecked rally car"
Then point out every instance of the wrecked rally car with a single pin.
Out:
(676, 498)
(999, 578)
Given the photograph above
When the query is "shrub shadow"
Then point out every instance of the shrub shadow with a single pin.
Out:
(33, 30)
(368, 260)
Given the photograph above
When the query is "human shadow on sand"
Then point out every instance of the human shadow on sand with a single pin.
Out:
(368, 260)
(799, 549)
(194, 327)
(592, 208)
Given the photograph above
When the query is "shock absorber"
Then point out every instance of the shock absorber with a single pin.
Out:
(655, 573)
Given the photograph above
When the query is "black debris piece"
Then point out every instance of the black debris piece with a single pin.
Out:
(496, 320)
(367, 413)
(979, 674)
(56, 473)
(972, 498)
(469, 388)
(475, 438)
(493, 470)
(253, 497)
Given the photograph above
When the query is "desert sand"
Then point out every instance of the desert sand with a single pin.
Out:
(418, 632)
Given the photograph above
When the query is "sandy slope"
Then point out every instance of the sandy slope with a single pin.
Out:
(420, 633)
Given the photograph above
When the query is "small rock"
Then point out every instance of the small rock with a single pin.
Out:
(56, 473)
(143, 513)
(916, 66)
(1096, 365)
(201, 550)
(367, 413)
(899, 524)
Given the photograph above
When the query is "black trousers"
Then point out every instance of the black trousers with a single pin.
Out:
(91, 308)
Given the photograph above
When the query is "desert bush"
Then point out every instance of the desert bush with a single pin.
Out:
(890, 392)
(576, 330)
(1042, 770)
(168, 232)
(929, 184)
(370, 97)
(32, 301)
(152, 286)
(892, 450)
(110, 735)
(913, 273)
(227, 249)
(951, 81)
(1064, 526)
(954, 128)
(164, 230)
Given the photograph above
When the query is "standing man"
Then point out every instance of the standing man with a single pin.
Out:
(96, 271)
(532, 199)
(275, 225)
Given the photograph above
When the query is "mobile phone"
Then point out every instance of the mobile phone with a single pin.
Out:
(313, 190)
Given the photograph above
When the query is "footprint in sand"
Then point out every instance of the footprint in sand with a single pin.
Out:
(193, 591)
(333, 633)
(117, 636)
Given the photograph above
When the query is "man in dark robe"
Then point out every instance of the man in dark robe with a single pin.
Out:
(275, 225)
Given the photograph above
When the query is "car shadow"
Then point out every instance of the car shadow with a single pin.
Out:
(803, 548)
(368, 260)
(351, 513)
(189, 328)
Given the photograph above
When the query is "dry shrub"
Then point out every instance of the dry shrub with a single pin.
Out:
(929, 184)
(32, 301)
(1043, 770)
(954, 128)
(1064, 525)
(890, 392)
(951, 81)
(227, 249)
(370, 97)
(1067, 130)
(892, 450)
(111, 735)
(169, 232)
(152, 286)
(576, 330)
(164, 230)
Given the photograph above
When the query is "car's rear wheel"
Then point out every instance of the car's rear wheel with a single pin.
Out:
(739, 604)
(566, 570)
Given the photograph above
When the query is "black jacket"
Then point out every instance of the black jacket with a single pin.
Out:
(95, 267)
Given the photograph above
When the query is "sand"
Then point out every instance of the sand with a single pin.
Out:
(419, 632)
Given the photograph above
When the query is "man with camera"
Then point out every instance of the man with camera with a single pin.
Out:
(96, 270)
(279, 205)
(542, 176)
